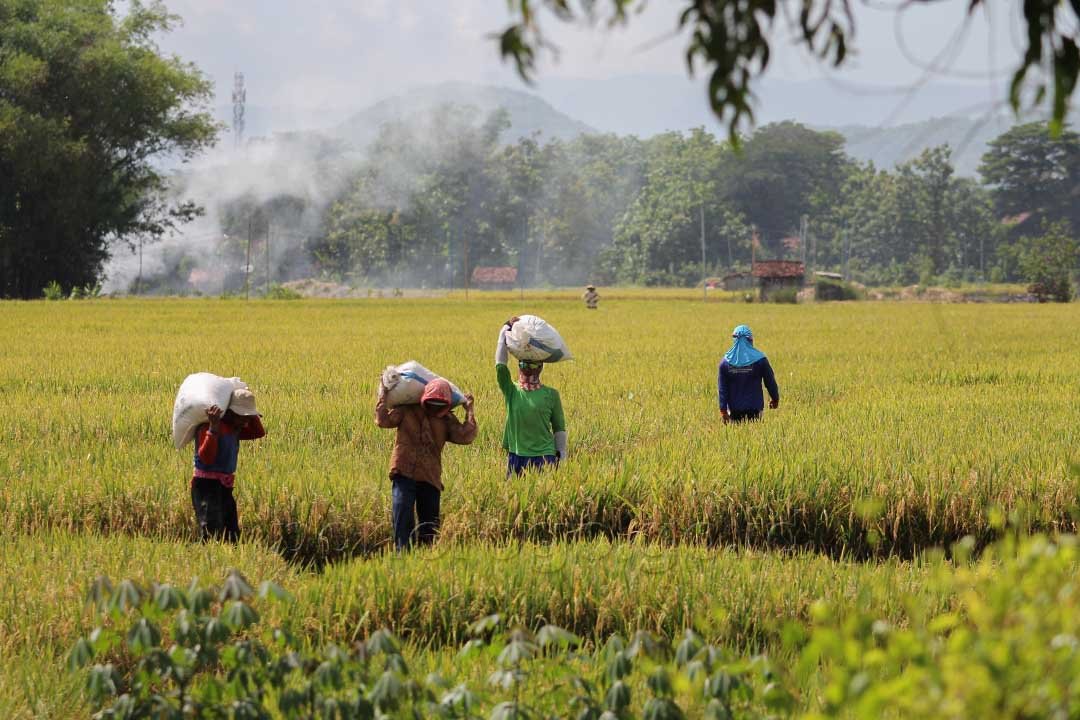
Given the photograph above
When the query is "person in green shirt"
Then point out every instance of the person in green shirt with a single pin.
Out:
(535, 432)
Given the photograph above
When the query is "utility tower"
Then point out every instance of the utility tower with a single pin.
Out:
(239, 99)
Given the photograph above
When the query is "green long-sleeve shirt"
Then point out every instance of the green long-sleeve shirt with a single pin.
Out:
(532, 417)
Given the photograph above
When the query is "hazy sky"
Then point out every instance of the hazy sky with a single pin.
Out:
(348, 53)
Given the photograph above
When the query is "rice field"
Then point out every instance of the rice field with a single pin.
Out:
(903, 427)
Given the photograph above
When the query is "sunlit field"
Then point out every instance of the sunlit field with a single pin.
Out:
(902, 427)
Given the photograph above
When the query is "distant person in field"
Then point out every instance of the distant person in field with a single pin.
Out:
(591, 297)
(742, 372)
(535, 432)
(416, 463)
(217, 447)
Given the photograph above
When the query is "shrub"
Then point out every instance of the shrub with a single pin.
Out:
(1047, 261)
(86, 292)
(827, 289)
(280, 292)
(1008, 650)
(787, 295)
(53, 291)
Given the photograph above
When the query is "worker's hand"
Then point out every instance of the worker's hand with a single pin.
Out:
(469, 400)
(725, 415)
(214, 413)
(774, 404)
(510, 323)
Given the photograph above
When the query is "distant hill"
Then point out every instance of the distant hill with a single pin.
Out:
(645, 105)
(888, 146)
(528, 113)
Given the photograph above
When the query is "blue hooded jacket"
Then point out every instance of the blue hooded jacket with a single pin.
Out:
(742, 372)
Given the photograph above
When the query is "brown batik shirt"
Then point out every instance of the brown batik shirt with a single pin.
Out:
(420, 439)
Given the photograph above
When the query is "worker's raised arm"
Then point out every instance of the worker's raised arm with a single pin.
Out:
(462, 433)
(502, 356)
(207, 444)
(386, 416)
(770, 382)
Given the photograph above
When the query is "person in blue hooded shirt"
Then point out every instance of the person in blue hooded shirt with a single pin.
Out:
(742, 371)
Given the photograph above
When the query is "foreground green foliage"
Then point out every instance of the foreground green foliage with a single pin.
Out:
(1008, 648)
(196, 653)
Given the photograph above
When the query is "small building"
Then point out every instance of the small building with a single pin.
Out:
(737, 281)
(773, 275)
(494, 278)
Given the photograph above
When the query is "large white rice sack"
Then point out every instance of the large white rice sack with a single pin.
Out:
(405, 384)
(197, 393)
(533, 338)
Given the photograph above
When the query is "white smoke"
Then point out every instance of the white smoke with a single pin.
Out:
(308, 168)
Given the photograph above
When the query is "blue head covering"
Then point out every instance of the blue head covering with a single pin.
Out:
(743, 352)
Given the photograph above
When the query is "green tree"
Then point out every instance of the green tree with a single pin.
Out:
(732, 39)
(1048, 262)
(658, 239)
(784, 171)
(924, 189)
(1028, 170)
(87, 105)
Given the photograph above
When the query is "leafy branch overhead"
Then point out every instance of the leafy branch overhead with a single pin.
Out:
(732, 41)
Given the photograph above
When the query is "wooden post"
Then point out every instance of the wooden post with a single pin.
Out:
(704, 272)
(247, 268)
(465, 242)
(269, 231)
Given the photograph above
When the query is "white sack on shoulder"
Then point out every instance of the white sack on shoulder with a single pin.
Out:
(533, 338)
(197, 393)
(405, 383)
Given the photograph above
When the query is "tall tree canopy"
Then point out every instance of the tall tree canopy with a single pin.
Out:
(732, 40)
(1029, 170)
(783, 173)
(87, 104)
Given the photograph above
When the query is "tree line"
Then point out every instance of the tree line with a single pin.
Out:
(674, 208)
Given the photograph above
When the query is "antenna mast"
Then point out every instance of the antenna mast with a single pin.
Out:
(239, 99)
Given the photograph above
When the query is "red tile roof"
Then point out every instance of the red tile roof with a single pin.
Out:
(494, 275)
(1017, 219)
(778, 269)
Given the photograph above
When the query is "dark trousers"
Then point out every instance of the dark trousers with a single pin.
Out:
(410, 496)
(744, 415)
(517, 464)
(215, 510)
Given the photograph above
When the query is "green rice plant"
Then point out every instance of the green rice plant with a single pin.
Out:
(738, 599)
(929, 414)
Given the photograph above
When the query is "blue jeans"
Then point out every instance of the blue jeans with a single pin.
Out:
(421, 497)
(517, 464)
